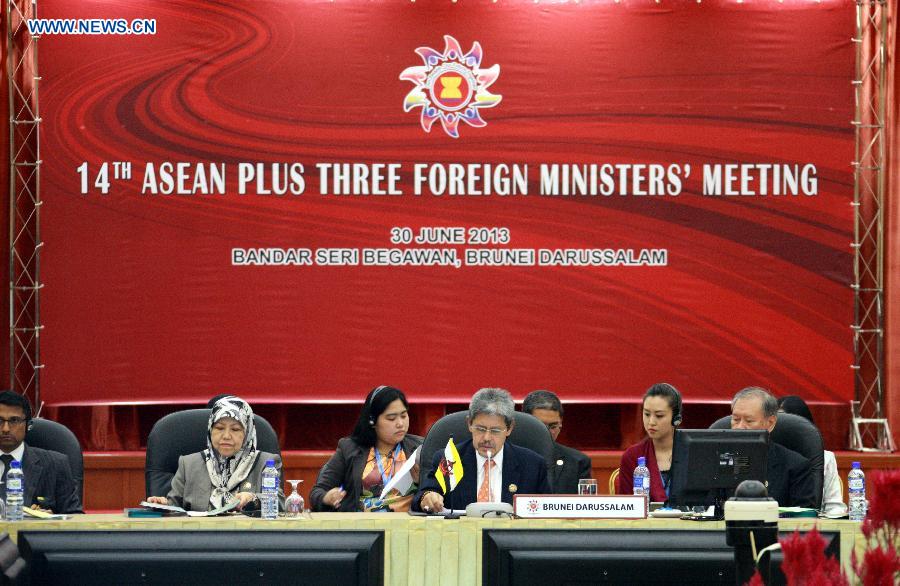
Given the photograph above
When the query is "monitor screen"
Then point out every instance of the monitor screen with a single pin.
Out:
(578, 557)
(203, 557)
(707, 464)
(523, 557)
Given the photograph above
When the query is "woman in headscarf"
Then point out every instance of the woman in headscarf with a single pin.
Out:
(354, 477)
(228, 469)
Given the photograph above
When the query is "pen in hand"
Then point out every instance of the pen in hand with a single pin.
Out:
(338, 495)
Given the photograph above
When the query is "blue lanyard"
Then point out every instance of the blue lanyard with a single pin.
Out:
(384, 477)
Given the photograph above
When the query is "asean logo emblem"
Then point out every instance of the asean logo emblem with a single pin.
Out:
(532, 507)
(451, 87)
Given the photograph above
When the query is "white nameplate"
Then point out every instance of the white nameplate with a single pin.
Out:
(578, 506)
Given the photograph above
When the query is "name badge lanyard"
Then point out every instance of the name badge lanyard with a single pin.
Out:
(384, 477)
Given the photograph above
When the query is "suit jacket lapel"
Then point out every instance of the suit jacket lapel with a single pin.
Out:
(205, 488)
(557, 470)
(774, 466)
(34, 471)
(510, 474)
(357, 465)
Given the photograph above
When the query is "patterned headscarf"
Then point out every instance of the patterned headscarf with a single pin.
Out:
(226, 473)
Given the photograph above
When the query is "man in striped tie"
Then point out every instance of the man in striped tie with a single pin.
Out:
(495, 469)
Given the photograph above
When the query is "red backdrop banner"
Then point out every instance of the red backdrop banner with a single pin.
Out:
(146, 299)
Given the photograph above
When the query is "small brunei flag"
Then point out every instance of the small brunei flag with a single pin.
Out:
(450, 470)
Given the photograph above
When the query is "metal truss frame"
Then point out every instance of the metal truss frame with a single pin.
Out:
(24, 200)
(869, 428)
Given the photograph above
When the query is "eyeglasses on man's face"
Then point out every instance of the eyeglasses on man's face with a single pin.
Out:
(482, 430)
(12, 421)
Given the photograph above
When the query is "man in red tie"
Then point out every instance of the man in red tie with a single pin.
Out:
(494, 469)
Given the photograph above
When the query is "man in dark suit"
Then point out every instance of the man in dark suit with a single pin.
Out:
(571, 465)
(49, 483)
(790, 480)
(493, 469)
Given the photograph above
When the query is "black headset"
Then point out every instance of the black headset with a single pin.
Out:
(676, 408)
(372, 398)
(675, 400)
(26, 409)
(29, 422)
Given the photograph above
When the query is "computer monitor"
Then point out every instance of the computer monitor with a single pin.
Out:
(708, 464)
(523, 557)
(203, 557)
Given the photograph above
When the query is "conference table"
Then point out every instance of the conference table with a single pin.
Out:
(418, 550)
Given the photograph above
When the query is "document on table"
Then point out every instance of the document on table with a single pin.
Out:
(42, 514)
(173, 510)
(403, 479)
(220, 511)
(170, 509)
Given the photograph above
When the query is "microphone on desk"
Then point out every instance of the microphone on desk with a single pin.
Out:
(489, 508)
(751, 527)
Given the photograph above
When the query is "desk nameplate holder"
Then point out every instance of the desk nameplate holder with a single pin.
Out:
(579, 506)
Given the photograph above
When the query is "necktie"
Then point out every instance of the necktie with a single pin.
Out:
(485, 489)
(6, 459)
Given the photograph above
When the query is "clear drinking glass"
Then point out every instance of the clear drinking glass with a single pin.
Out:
(293, 504)
(587, 486)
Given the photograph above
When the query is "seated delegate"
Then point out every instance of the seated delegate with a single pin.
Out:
(49, 483)
(832, 494)
(509, 470)
(353, 478)
(571, 465)
(661, 408)
(228, 469)
(789, 475)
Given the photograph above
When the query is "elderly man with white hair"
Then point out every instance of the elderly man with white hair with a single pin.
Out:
(790, 480)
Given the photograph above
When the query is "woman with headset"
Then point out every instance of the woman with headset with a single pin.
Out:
(353, 478)
(661, 414)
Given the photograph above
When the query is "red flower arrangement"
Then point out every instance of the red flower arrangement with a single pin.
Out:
(804, 555)
(805, 563)
(881, 563)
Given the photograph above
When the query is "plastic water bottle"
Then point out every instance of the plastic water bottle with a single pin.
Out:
(642, 478)
(15, 491)
(269, 491)
(856, 486)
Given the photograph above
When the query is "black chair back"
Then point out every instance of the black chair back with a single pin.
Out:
(182, 433)
(528, 432)
(798, 434)
(50, 435)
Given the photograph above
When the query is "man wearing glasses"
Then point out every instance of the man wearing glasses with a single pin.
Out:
(49, 483)
(571, 465)
(493, 469)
